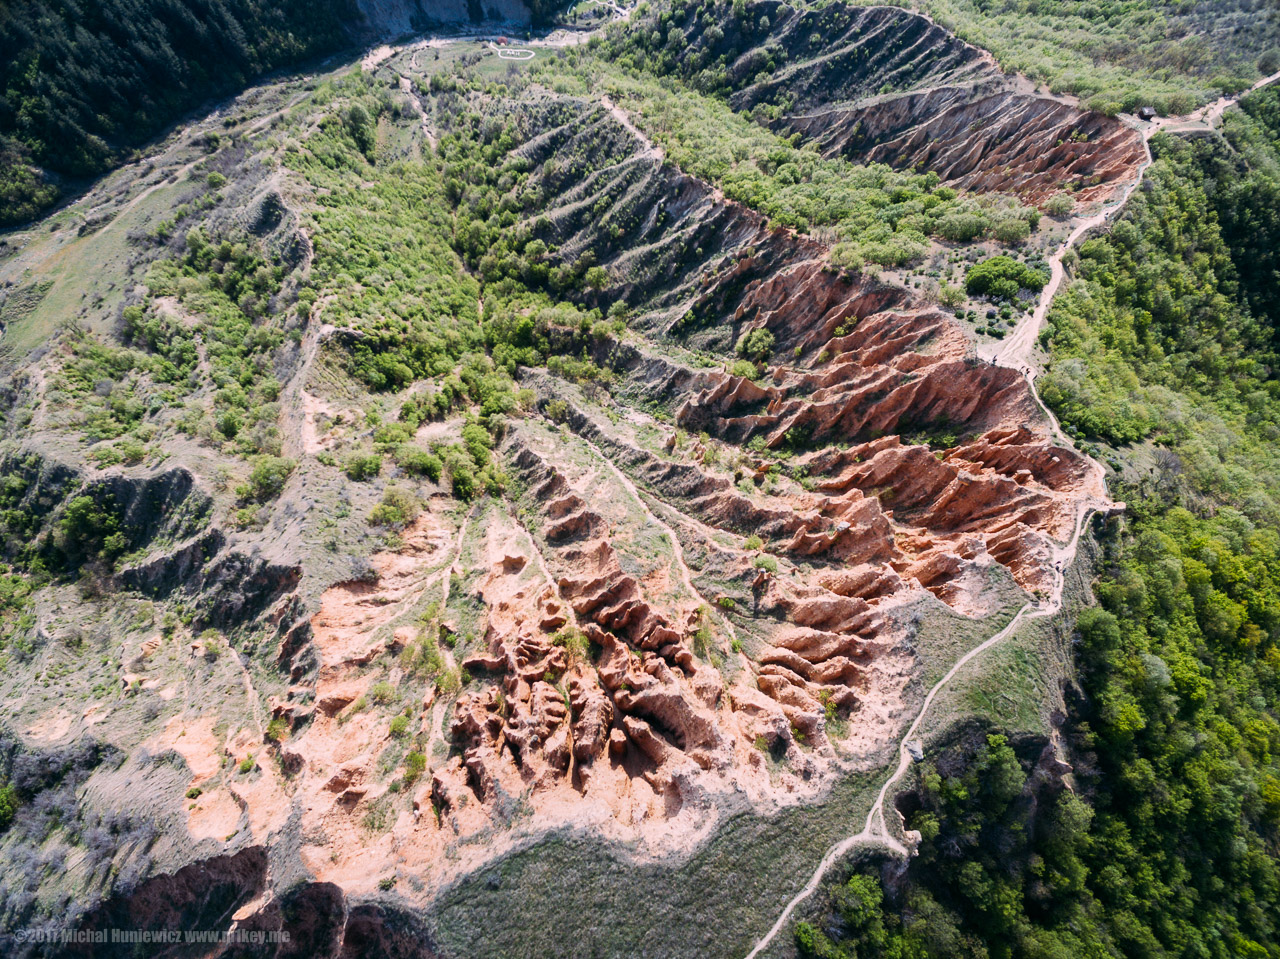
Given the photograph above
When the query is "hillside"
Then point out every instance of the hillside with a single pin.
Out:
(768, 457)
(83, 86)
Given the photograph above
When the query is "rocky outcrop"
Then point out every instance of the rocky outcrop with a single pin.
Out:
(993, 142)
(227, 900)
(883, 84)
(645, 677)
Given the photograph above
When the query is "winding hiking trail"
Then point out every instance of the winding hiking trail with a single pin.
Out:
(1015, 352)
(650, 151)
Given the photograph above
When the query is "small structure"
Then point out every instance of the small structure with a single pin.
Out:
(1146, 113)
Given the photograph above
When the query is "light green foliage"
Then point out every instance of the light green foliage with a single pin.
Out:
(1123, 55)
(755, 344)
(267, 479)
(85, 532)
(1059, 205)
(416, 461)
(383, 258)
(415, 763)
(9, 803)
(277, 730)
(1001, 278)
(574, 642)
(362, 466)
(228, 287)
(398, 508)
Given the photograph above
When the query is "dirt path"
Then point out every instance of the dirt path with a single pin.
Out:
(1212, 113)
(875, 831)
(651, 150)
(406, 87)
(1016, 350)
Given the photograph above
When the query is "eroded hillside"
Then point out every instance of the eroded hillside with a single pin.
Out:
(408, 466)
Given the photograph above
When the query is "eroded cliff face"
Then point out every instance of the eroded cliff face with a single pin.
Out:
(886, 85)
(611, 685)
(605, 648)
(985, 137)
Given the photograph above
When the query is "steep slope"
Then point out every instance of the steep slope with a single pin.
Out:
(447, 471)
(888, 85)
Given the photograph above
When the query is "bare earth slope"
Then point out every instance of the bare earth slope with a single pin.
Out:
(705, 602)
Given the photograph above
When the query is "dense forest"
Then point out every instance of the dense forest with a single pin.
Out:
(1162, 840)
(1122, 54)
(81, 83)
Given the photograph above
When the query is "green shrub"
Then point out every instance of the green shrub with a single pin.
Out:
(756, 344)
(361, 467)
(267, 479)
(415, 763)
(416, 461)
(574, 643)
(1059, 205)
(962, 226)
(1011, 231)
(462, 477)
(1001, 277)
(397, 509)
(766, 563)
